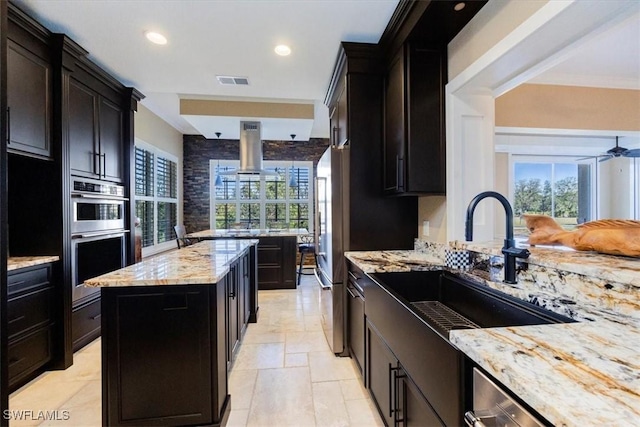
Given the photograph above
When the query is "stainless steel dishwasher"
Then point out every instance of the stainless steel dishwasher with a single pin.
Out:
(492, 407)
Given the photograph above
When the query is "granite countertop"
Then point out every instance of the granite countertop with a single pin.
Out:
(230, 233)
(18, 262)
(574, 374)
(619, 269)
(205, 262)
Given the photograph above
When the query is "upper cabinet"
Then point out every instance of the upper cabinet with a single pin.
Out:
(28, 91)
(414, 127)
(415, 49)
(338, 116)
(95, 134)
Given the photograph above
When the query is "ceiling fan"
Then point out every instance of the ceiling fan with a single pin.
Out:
(617, 151)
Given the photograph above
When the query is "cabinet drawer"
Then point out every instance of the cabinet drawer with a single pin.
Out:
(269, 256)
(29, 311)
(28, 278)
(85, 324)
(28, 354)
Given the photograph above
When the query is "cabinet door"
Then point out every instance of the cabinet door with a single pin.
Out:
(416, 411)
(83, 153)
(425, 167)
(246, 285)
(29, 102)
(342, 132)
(355, 313)
(233, 334)
(394, 125)
(338, 116)
(380, 366)
(111, 133)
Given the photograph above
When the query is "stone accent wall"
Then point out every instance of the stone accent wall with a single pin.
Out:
(198, 150)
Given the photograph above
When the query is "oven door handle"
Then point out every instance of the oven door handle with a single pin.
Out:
(112, 233)
(100, 197)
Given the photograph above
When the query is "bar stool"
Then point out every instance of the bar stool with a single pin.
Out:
(306, 246)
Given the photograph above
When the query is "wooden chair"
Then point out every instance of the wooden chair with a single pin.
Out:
(181, 236)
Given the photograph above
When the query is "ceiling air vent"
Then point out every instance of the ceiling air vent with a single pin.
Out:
(231, 80)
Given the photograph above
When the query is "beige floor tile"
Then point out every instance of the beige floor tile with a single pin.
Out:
(312, 322)
(353, 389)
(282, 398)
(260, 356)
(295, 359)
(238, 418)
(362, 413)
(83, 409)
(241, 385)
(328, 405)
(301, 342)
(325, 366)
(262, 336)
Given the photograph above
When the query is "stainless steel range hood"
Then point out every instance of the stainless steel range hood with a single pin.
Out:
(250, 151)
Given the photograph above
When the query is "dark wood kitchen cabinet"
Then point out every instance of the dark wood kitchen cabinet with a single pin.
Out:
(277, 262)
(164, 355)
(399, 400)
(30, 322)
(29, 79)
(414, 121)
(338, 117)
(95, 134)
(237, 287)
(356, 283)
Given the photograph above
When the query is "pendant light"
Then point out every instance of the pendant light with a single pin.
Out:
(218, 182)
(292, 177)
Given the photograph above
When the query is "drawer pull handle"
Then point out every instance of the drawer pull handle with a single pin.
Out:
(16, 319)
(96, 317)
(15, 361)
(19, 282)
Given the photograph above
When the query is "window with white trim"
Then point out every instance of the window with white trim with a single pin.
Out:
(563, 188)
(156, 197)
(262, 201)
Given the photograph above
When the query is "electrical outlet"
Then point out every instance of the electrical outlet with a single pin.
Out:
(425, 228)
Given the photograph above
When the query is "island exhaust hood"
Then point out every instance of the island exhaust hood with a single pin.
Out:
(250, 151)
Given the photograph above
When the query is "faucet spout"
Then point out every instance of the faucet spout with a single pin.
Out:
(509, 250)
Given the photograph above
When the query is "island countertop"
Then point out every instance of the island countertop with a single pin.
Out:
(576, 374)
(201, 263)
(251, 233)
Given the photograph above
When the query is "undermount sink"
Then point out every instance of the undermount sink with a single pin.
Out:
(445, 302)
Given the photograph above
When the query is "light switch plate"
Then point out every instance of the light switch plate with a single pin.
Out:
(425, 228)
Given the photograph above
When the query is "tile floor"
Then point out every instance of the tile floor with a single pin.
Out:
(284, 375)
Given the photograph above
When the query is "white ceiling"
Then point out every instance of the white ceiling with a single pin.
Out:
(218, 37)
(237, 37)
(610, 60)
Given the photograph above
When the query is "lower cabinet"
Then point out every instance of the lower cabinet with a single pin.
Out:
(277, 262)
(398, 399)
(237, 285)
(85, 321)
(30, 323)
(357, 283)
(164, 355)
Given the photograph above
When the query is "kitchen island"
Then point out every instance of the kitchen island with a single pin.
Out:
(171, 326)
(572, 374)
(277, 249)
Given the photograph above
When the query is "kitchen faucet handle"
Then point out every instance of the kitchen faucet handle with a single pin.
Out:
(516, 252)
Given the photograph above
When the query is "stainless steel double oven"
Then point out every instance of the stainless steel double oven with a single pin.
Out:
(98, 234)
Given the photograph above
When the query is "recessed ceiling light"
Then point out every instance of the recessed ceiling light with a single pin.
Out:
(459, 6)
(156, 38)
(282, 50)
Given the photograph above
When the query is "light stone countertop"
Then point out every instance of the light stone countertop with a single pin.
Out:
(205, 262)
(618, 269)
(577, 374)
(244, 233)
(18, 262)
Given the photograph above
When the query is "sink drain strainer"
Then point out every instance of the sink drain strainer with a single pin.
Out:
(443, 317)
